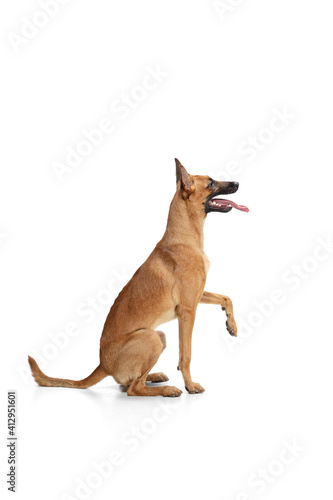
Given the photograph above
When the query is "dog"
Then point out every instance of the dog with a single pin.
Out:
(169, 284)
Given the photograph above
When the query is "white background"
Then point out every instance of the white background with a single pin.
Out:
(63, 242)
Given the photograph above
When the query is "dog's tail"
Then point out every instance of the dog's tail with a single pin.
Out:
(46, 381)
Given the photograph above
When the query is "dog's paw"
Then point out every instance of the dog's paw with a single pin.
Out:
(157, 377)
(231, 327)
(171, 392)
(194, 388)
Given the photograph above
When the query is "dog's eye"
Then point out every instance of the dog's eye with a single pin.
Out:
(211, 184)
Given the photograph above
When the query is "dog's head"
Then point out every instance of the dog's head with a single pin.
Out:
(201, 191)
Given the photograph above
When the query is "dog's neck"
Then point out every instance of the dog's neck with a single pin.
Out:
(184, 225)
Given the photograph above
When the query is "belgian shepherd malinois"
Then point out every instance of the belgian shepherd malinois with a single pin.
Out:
(168, 285)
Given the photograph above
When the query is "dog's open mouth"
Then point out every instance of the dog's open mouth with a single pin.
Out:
(214, 204)
(221, 205)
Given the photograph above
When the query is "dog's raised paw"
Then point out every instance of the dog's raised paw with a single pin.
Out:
(231, 329)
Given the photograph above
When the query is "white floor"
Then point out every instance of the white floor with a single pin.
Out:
(268, 396)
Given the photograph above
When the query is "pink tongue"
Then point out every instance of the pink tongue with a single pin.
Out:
(243, 208)
(227, 204)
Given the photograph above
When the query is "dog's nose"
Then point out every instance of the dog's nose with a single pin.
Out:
(234, 185)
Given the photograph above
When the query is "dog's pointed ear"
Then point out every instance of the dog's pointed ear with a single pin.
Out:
(185, 179)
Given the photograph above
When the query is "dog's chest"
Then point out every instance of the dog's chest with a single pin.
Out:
(206, 262)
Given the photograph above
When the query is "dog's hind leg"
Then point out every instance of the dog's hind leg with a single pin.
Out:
(134, 360)
(158, 377)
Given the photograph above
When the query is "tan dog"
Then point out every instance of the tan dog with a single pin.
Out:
(169, 284)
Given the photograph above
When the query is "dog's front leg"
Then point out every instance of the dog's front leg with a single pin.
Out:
(186, 322)
(226, 304)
